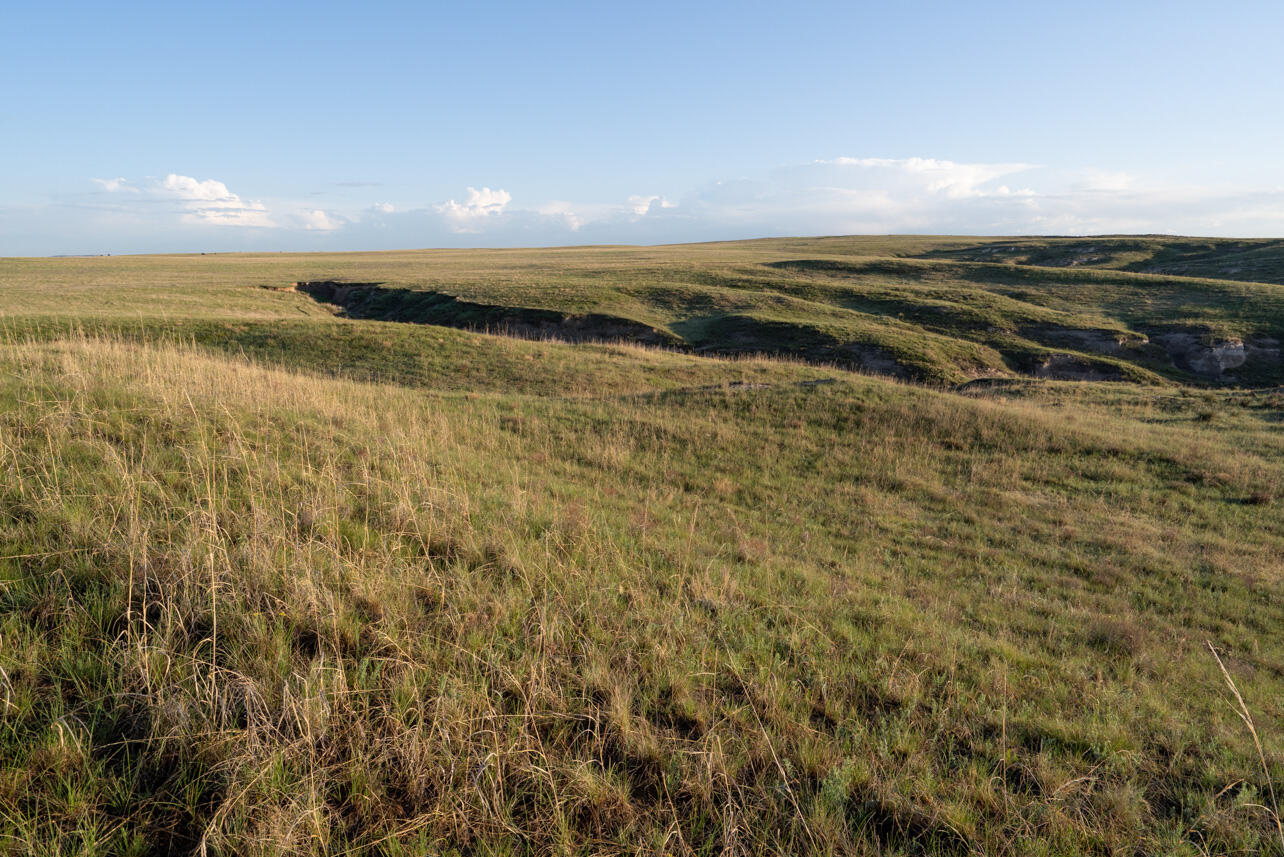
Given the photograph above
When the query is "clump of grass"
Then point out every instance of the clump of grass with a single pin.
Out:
(1116, 637)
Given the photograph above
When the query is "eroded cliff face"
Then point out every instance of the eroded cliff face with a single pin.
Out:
(1115, 343)
(1193, 350)
(1097, 353)
(1073, 367)
(1212, 358)
(378, 302)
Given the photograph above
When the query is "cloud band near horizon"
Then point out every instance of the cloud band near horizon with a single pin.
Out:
(836, 196)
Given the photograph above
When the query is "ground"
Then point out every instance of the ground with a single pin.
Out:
(289, 575)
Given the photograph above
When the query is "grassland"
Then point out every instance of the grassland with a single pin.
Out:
(276, 578)
(876, 304)
(1260, 260)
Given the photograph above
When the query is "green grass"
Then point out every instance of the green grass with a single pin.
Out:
(858, 303)
(274, 581)
(1257, 260)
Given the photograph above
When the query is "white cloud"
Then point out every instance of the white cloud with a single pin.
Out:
(211, 202)
(318, 220)
(479, 204)
(641, 205)
(838, 196)
(879, 195)
(252, 214)
(116, 185)
(1104, 180)
(846, 195)
(210, 190)
(1004, 190)
(924, 195)
(952, 179)
(564, 211)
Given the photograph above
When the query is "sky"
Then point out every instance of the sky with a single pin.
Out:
(202, 127)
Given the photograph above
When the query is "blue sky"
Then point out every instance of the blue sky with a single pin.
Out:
(201, 126)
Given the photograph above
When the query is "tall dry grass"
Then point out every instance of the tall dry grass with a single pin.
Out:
(249, 611)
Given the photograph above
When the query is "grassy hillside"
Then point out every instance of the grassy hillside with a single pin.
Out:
(278, 581)
(856, 303)
(1259, 260)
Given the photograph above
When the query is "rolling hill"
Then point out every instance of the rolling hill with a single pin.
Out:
(831, 546)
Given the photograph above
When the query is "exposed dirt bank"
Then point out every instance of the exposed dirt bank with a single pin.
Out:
(377, 302)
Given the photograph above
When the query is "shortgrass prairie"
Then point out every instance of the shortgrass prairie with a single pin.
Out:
(274, 581)
(917, 308)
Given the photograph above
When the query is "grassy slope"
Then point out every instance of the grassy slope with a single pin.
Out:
(844, 301)
(1254, 260)
(549, 598)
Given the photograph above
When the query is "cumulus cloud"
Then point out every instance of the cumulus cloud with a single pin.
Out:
(641, 205)
(886, 195)
(478, 204)
(926, 195)
(563, 211)
(211, 202)
(952, 179)
(207, 202)
(863, 194)
(843, 195)
(189, 188)
(318, 220)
